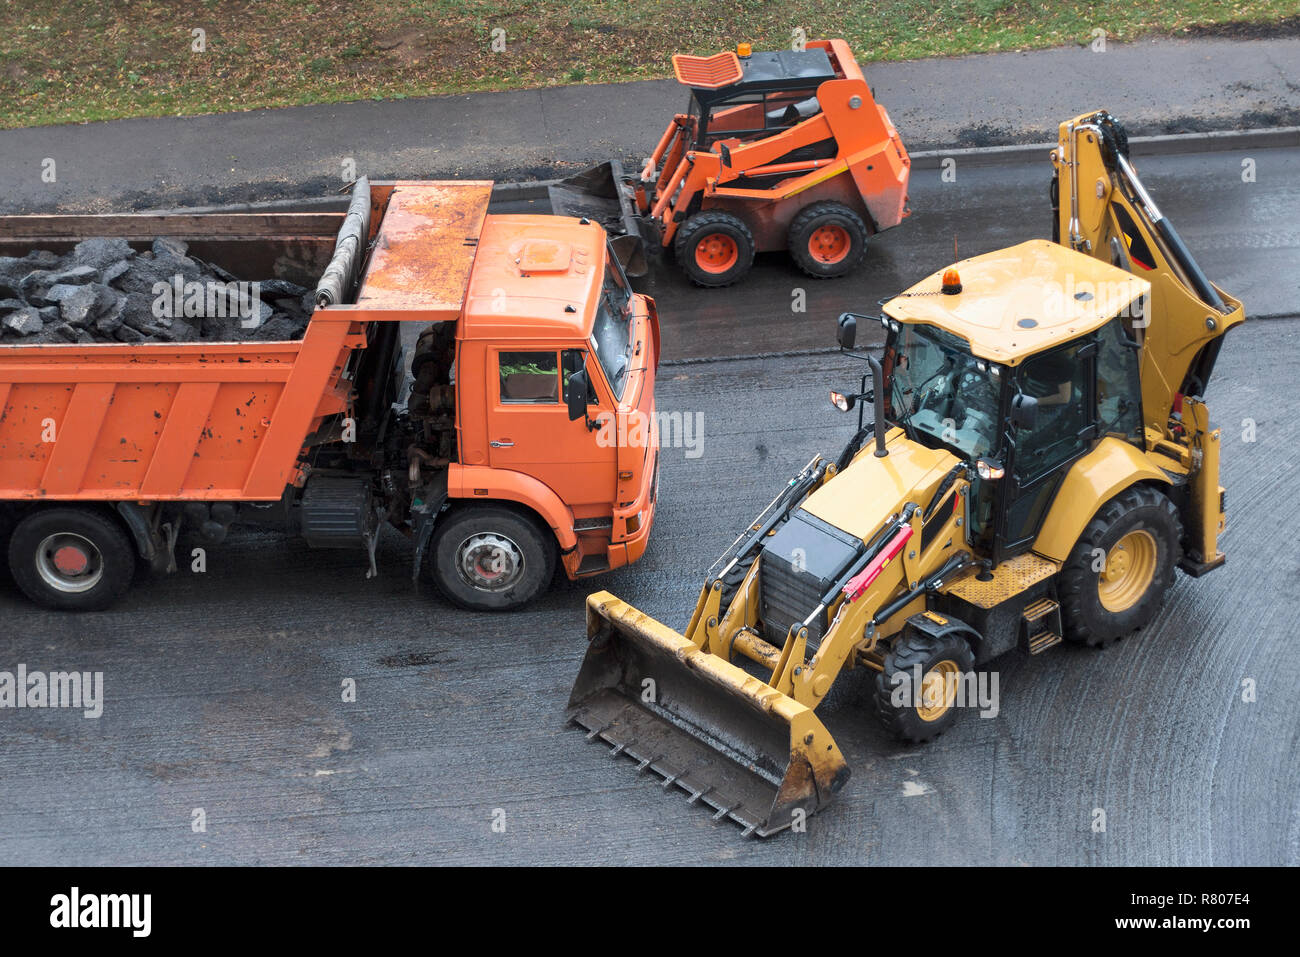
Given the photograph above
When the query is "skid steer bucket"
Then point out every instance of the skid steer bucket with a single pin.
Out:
(601, 194)
(728, 739)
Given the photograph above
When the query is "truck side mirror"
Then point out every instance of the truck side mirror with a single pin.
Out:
(846, 331)
(1024, 411)
(576, 396)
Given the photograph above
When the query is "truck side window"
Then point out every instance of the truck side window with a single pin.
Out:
(529, 377)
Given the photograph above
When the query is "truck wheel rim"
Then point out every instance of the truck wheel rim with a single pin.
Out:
(716, 253)
(829, 244)
(938, 690)
(69, 563)
(489, 562)
(1129, 570)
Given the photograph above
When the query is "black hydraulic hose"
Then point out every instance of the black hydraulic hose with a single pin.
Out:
(1177, 249)
(779, 507)
(934, 581)
(942, 490)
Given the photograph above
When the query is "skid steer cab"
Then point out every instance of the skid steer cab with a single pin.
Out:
(1038, 466)
(785, 149)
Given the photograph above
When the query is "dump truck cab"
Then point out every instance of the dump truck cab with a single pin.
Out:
(783, 149)
(546, 301)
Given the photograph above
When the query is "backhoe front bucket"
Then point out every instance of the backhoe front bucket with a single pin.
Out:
(730, 740)
(602, 195)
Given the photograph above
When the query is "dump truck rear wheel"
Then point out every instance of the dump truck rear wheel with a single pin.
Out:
(913, 714)
(491, 558)
(827, 239)
(1116, 577)
(71, 559)
(714, 248)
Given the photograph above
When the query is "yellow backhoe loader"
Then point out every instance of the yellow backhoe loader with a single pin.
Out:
(1039, 463)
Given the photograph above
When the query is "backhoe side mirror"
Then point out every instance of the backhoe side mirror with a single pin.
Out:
(1024, 411)
(846, 331)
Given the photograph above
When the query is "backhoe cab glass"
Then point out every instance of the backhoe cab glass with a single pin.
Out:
(611, 336)
(940, 392)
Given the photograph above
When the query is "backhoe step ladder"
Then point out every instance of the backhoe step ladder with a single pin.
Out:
(1042, 625)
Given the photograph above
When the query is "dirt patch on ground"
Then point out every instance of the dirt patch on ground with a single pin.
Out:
(1287, 27)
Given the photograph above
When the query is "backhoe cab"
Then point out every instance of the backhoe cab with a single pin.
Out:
(1039, 462)
(785, 149)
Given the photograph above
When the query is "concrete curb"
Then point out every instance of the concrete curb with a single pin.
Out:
(1167, 145)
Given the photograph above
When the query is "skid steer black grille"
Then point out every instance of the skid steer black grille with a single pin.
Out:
(800, 563)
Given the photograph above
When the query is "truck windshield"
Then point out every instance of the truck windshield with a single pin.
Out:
(940, 391)
(611, 337)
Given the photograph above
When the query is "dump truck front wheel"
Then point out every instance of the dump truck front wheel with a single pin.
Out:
(71, 559)
(916, 693)
(714, 248)
(827, 239)
(1116, 577)
(491, 558)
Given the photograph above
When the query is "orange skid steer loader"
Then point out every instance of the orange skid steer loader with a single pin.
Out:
(777, 150)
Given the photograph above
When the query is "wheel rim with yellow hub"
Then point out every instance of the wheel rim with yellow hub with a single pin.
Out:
(1129, 569)
(938, 690)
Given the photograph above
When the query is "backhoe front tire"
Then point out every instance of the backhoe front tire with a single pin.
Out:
(827, 239)
(1115, 579)
(491, 558)
(714, 248)
(915, 714)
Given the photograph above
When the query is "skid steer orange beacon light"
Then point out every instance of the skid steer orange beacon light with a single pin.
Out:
(951, 282)
(744, 49)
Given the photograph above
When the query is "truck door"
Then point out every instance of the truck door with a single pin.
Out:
(529, 429)
(1062, 382)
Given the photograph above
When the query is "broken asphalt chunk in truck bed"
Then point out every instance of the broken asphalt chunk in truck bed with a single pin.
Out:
(103, 291)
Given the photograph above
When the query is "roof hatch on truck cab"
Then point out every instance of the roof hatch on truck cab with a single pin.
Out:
(542, 255)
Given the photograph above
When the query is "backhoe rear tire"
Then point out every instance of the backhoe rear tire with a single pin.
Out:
(714, 248)
(919, 714)
(827, 239)
(1115, 579)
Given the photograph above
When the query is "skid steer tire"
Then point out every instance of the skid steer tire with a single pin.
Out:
(827, 239)
(71, 558)
(491, 558)
(945, 659)
(714, 248)
(1116, 577)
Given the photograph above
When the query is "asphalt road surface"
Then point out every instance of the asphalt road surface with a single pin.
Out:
(223, 690)
(1245, 235)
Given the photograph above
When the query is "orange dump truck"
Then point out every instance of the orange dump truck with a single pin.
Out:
(526, 439)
